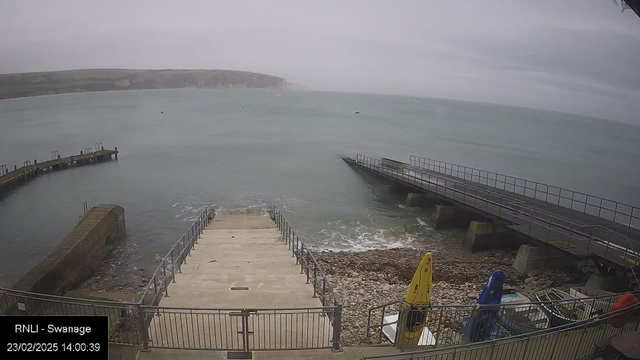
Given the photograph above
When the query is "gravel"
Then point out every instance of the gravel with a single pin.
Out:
(370, 278)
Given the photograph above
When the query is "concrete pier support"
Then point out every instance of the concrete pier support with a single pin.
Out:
(532, 257)
(485, 235)
(451, 216)
(422, 200)
(611, 283)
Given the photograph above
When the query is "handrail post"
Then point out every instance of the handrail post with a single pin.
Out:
(164, 273)
(173, 267)
(142, 327)
(315, 279)
(301, 260)
(293, 247)
(324, 290)
(307, 261)
(337, 327)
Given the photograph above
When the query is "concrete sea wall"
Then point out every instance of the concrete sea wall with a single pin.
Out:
(79, 254)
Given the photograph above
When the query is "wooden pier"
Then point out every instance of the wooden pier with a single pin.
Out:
(29, 170)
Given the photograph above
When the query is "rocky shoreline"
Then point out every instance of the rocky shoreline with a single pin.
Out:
(375, 277)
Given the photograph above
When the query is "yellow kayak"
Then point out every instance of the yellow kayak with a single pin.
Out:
(417, 300)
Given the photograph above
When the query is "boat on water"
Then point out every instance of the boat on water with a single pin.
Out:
(520, 316)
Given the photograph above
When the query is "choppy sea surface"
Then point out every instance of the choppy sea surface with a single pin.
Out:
(247, 149)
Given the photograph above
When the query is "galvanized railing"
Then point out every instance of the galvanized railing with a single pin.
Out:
(242, 330)
(145, 324)
(589, 204)
(615, 211)
(309, 266)
(579, 239)
(191, 328)
(124, 325)
(450, 325)
(322, 289)
(567, 342)
(172, 262)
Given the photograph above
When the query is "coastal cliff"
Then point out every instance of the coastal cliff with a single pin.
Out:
(72, 81)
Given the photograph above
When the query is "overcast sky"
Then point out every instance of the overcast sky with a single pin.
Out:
(578, 56)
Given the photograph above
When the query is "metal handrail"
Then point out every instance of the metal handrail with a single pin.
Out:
(166, 270)
(506, 305)
(308, 263)
(567, 303)
(310, 266)
(475, 175)
(579, 325)
(508, 205)
(237, 309)
(64, 299)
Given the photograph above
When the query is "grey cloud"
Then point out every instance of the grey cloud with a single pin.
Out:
(578, 56)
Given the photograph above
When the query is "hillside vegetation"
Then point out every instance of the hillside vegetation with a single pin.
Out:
(71, 81)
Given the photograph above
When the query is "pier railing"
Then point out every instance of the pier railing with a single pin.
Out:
(450, 325)
(576, 238)
(172, 262)
(566, 342)
(615, 211)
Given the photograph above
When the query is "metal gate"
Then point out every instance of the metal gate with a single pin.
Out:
(242, 330)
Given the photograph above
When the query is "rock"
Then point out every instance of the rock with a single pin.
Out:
(370, 278)
(534, 272)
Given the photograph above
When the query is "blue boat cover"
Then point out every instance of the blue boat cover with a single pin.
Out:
(492, 291)
(482, 326)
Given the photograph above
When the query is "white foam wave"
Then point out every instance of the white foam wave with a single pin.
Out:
(363, 238)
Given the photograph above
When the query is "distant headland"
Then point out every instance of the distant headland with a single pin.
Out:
(74, 81)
